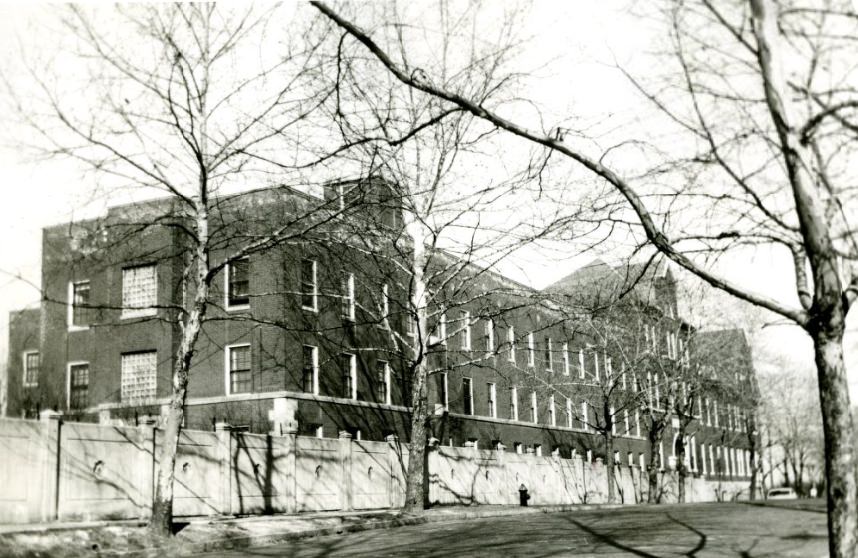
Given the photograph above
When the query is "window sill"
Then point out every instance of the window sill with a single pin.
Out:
(310, 309)
(238, 308)
(137, 316)
(78, 328)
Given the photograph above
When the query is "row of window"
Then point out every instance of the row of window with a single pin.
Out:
(139, 296)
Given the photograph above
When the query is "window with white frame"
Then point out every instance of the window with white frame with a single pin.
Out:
(534, 414)
(489, 332)
(585, 416)
(513, 403)
(510, 337)
(348, 292)
(78, 382)
(309, 285)
(626, 423)
(32, 363)
(238, 369)
(467, 396)
(552, 418)
(238, 283)
(549, 363)
(613, 421)
(531, 351)
(382, 381)
(596, 365)
(492, 401)
(445, 391)
(139, 291)
(565, 359)
(138, 376)
(568, 413)
(310, 369)
(80, 312)
(581, 371)
(465, 334)
(348, 373)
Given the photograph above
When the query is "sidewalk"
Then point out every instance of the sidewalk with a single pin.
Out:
(130, 538)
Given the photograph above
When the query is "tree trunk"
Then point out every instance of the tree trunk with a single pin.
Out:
(611, 466)
(655, 435)
(752, 460)
(840, 468)
(681, 471)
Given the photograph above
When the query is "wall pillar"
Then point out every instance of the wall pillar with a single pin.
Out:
(285, 427)
(224, 456)
(49, 498)
(146, 478)
(346, 502)
(394, 464)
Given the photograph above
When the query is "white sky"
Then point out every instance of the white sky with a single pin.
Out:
(574, 46)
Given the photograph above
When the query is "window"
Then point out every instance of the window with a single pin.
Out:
(138, 376)
(510, 337)
(309, 286)
(626, 423)
(78, 385)
(549, 364)
(238, 362)
(493, 410)
(238, 283)
(585, 420)
(613, 421)
(715, 412)
(552, 417)
(531, 356)
(31, 368)
(80, 314)
(490, 336)
(581, 371)
(139, 291)
(466, 331)
(565, 359)
(534, 415)
(467, 396)
(637, 423)
(348, 372)
(513, 403)
(310, 370)
(382, 381)
(445, 391)
(348, 290)
(568, 413)
(596, 365)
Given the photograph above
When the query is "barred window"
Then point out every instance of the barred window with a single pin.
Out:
(139, 373)
(238, 283)
(239, 369)
(31, 368)
(139, 291)
(310, 367)
(309, 289)
(79, 386)
(81, 314)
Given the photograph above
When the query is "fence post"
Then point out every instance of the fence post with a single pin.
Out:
(346, 469)
(224, 454)
(50, 497)
(290, 468)
(394, 464)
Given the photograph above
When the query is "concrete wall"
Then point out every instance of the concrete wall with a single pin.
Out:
(55, 470)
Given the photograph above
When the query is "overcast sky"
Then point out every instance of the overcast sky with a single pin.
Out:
(574, 47)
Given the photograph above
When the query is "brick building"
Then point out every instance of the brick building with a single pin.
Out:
(319, 332)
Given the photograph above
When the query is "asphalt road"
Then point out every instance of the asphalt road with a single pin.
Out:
(742, 530)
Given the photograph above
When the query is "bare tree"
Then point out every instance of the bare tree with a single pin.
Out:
(795, 196)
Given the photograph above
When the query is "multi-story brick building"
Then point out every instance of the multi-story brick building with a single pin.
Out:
(318, 330)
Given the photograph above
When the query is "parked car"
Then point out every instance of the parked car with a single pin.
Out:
(781, 494)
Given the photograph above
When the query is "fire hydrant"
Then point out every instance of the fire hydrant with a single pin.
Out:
(523, 496)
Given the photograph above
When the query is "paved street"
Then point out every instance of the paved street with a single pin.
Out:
(695, 530)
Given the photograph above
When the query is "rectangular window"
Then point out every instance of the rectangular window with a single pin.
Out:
(467, 396)
(139, 291)
(348, 373)
(531, 351)
(310, 369)
(534, 414)
(581, 370)
(80, 314)
(348, 290)
(552, 417)
(139, 376)
(568, 413)
(466, 331)
(510, 338)
(490, 336)
(31, 368)
(513, 403)
(585, 418)
(238, 283)
(613, 421)
(596, 365)
(493, 410)
(238, 361)
(565, 359)
(549, 364)
(445, 391)
(78, 386)
(309, 286)
(626, 423)
(637, 423)
(382, 381)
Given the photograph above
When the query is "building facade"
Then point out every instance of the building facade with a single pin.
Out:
(318, 329)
